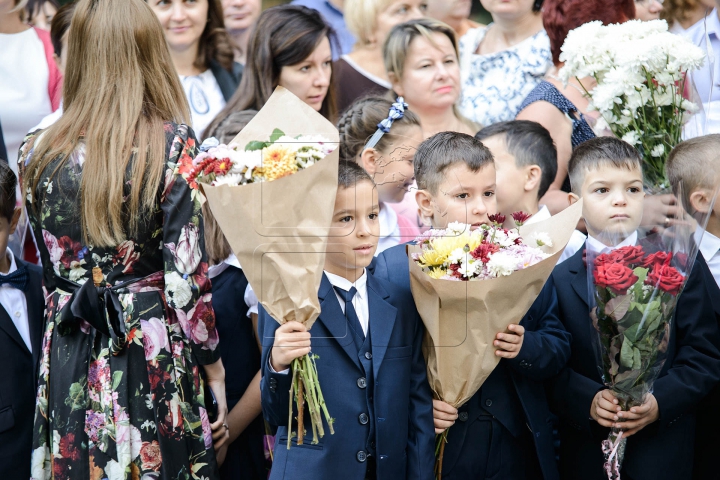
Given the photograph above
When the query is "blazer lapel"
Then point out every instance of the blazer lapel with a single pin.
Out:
(331, 315)
(8, 326)
(36, 309)
(382, 321)
(579, 281)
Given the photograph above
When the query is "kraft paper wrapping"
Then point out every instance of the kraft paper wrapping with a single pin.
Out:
(279, 230)
(462, 318)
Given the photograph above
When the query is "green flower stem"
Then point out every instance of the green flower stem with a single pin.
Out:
(305, 391)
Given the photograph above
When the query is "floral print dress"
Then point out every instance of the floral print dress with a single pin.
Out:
(120, 394)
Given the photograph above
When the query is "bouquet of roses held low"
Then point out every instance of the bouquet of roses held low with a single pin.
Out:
(635, 290)
(470, 285)
(640, 69)
(272, 192)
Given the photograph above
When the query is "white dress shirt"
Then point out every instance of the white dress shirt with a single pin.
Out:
(577, 239)
(710, 249)
(706, 79)
(596, 246)
(389, 229)
(15, 304)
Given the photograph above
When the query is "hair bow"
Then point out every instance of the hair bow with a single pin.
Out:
(397, 111)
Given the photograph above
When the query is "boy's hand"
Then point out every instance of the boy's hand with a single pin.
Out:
(444, 416)
(292, 340)
(510, 342)
(639, 417)
(604, 409)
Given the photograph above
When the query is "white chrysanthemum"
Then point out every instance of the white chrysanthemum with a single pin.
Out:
(456, 228)
(177, 290)
(541, 239)
(470, 268)
(658, 150)
(457, 256)
(502, 264)
(632, 137)
(230, 179)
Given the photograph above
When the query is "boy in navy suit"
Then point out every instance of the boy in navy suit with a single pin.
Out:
(693, 169)
(504, 431)
(607, 174)
(371, 369)
(21, 327)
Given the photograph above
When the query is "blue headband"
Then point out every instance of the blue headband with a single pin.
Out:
(397, 111)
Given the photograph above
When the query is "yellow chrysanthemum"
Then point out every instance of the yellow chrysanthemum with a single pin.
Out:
(444, 246)
(432, 258)
(437, 273)
(278, 161)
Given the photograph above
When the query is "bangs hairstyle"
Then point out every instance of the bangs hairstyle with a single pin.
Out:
(283, 36)
(60, 25)
(360, 122)
(694, 164)
(443, 150)
(216, 245)
(361, 17)
(561, 16)
(120, 87)
(350, 174)
(601, 152)
(530, 143)
(8, 187)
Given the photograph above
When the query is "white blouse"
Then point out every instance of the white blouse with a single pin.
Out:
(494, 85)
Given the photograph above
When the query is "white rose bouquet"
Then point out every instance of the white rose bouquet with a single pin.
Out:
(640, 69)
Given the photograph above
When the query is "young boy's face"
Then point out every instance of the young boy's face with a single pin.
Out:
(511, 180)
(612, 202)
(355, 230)
(462, 196)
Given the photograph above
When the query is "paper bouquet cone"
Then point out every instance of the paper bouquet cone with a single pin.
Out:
(462, 318)
(279, 230)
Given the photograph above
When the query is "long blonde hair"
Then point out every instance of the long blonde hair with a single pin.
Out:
(120, 87)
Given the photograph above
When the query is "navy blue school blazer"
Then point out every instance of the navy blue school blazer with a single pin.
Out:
(664, 449)
(18, 381)
(545, 350)
(404, 429)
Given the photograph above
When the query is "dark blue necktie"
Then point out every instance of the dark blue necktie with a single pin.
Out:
(350, 313)
(17, 279)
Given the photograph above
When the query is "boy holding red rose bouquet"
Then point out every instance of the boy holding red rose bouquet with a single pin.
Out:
(607, 174)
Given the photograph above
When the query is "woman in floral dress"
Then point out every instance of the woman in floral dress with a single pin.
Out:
(130, 324)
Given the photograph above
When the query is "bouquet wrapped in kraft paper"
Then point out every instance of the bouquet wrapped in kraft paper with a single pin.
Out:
(275, 211)
(462, 317)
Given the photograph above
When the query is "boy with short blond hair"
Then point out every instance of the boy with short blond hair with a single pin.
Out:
(607, 174)
(505, 429)
(693, 169)
(368, 338)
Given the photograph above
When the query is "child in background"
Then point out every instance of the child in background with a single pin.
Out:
(693, 169)
(607, 174)
(242, 458)
(368, 338)
(525, 165)
(505, 430)
(388, 160)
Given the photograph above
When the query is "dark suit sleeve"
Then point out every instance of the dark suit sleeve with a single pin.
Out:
(274, 387)
(421, 431)
(571, 396)
(546, 346)
(696, 366)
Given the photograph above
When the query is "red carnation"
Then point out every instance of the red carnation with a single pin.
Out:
(483, 251)
(615, 276)
(497, 219)
(656, 259)
(520, 218)
(666, 278)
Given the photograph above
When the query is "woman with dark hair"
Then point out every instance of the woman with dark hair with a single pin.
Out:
(202, 53)
(563, 109)
(41, 12)
(502, 62)
(290, 47)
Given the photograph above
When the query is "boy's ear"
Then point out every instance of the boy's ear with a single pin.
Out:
(572, 198)
(700, 200)
(15, 219)
(368, 160)
(425, 210)
(533, 175)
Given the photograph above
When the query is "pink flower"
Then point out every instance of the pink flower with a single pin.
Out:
(207, 431)
(150, 456)
(198, 324)
(187, 251)
(126, 255)
(155, 337)
(54, 249)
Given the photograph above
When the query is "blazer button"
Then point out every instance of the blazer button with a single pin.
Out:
(363, 419)
(361, 382)
(463, 416)
(361, 456)
(368, 355)
(488, 403)
(523, 364)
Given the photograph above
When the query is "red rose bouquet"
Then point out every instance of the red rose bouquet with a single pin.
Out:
(635, 290)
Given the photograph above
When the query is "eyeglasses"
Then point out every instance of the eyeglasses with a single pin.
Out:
(648, 2)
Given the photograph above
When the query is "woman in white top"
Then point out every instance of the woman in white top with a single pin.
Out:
(202, 53)
(362, 72)
(503, 62)
(685, 16)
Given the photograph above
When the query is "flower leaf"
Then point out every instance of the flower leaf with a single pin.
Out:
(275, 136)
(626, 354)
(256, 145)
(617, 307)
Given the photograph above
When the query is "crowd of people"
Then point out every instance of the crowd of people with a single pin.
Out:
(126, 316)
